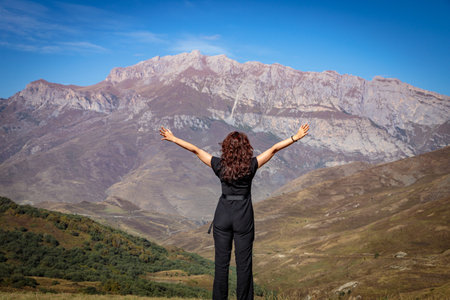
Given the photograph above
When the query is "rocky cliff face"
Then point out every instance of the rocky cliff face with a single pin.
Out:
(70, 143)
(266, 95)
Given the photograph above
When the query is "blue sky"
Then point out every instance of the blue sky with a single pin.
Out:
(79, 42)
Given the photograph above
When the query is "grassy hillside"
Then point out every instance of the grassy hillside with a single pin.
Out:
(124, 215)
(51, 251)
(380, 231)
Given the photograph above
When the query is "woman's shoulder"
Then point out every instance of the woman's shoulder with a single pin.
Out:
(215, 164)
(254, 164)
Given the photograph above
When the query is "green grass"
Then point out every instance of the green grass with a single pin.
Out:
(76, 249)
(64, 296)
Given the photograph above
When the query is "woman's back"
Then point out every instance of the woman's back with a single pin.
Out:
(240, 186)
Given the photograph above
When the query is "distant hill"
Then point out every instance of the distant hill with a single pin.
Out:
(52, 251)
(370, 230)
(126, 216)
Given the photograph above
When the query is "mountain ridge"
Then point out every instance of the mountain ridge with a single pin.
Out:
(69, 144)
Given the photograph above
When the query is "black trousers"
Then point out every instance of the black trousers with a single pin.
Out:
(233, 219)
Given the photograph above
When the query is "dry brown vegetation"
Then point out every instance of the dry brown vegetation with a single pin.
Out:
(180, 276)
(351, 228)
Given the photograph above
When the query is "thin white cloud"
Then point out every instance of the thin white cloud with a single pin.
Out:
(206, 46)
(46, 49)
(211, 37)
(22, 6)
(33, 27)
(82, 11)
(17, 24)
(90, 17)
(83, 47)
(50, 49)
(75, 28)
(144, 36)
(21, 47)
(61, 47)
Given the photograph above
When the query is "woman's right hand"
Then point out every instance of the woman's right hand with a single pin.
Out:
(302, 131)
(167, 134)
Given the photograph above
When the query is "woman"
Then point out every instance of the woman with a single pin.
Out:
(233, 218)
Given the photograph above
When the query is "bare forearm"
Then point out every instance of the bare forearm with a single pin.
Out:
(186, 145)
(269, 153)
(201, 154)
(281, 145)
(289, 141)
(169, 136)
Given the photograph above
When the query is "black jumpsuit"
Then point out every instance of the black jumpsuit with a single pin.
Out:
(234, 219)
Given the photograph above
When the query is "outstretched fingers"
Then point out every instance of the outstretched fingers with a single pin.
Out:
(163, 132)
(305, 128)
(166, 133)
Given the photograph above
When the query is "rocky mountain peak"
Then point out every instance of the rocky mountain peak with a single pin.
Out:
(169, 65)
(41, 94)
(105, 136)
(41, 85)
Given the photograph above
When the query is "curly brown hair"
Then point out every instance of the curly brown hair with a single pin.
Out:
(236, 156)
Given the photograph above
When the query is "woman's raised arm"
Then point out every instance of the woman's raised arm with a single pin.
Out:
(201, 154)
(269, 153)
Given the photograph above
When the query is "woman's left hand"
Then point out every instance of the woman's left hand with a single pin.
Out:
(302, 131)
(167, 134)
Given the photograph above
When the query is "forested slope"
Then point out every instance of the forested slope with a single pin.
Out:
(37, 242)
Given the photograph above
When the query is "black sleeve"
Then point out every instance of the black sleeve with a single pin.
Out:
(215, 165)
(254, 166)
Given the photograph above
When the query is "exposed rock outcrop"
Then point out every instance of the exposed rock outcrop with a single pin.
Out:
(71, 143)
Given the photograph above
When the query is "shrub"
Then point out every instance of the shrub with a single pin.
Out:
(19, 281)
(90, 290)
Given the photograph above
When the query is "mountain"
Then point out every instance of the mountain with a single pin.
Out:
(370, 230)
(66, 143)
